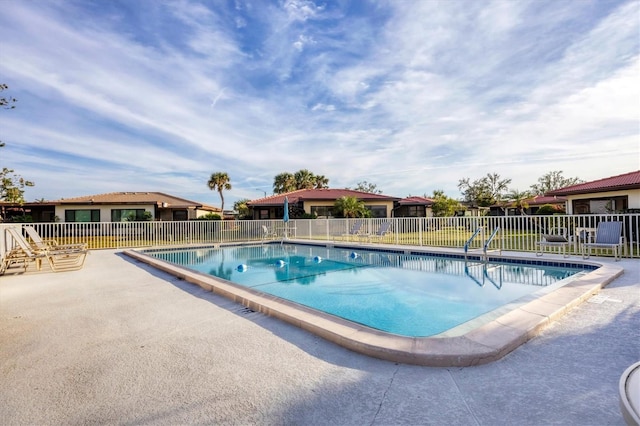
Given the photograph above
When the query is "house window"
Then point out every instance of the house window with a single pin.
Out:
(414, 211)
(600, 205)
(322, 211)
(378, 211)
(127, 215)
(180, 215)
(82, 215)
(264, 214)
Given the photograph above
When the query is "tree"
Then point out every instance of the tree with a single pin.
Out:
(302, 179)
(11, 185)
(321, 182)
(549, 209)
(484, 192)
(443, 206)
(365, 186)
(219, 182)
(284, 182)
(552, 181)
(518, 200)
(210, 216)
(350, 207)
(6, 103)
(243, 210)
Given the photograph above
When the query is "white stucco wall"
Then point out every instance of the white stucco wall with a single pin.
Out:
(105, 210)
(309, 204)
(633, 196)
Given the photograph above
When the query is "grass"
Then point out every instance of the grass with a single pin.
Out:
(511, 240)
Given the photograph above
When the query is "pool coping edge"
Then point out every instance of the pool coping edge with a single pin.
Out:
(486, 343)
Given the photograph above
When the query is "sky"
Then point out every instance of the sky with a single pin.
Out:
(410, 95)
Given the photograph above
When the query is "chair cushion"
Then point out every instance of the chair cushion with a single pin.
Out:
(554, 238)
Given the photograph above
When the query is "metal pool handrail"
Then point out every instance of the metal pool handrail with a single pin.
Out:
(466, 245)
(491, 237)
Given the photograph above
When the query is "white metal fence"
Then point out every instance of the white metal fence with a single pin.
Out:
(517, 233)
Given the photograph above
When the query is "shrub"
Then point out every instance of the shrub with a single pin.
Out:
(210, 216)
(548, 209)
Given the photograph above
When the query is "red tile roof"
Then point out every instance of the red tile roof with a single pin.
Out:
(545, 199)
(158, 198)
(626, 181)
(538, 200)
(413, 201)
(327, 194)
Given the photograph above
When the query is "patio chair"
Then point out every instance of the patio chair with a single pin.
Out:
(50, 244)
(552, 240)
(16, 256)
(383, 230)
(608, 236)
(59, 259)
(354, 231)
(268, 233)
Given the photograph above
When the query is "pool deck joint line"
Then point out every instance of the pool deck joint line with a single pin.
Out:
(484, 344)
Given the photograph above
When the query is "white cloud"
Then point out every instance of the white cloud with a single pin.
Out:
(413, 99)
(301, 10)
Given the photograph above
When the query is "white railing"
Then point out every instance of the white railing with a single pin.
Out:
(517, 233)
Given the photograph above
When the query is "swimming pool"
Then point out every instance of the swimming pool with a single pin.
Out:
(407, 294)
(519, 307)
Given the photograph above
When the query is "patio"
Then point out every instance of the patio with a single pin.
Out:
(119, 342)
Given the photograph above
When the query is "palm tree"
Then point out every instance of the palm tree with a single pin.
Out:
(284, 182)
(350, 207)
(321, 182)
(220, 181)
(304, 179)
(518, 200)
(244, 212)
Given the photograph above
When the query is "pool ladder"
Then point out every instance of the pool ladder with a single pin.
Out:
(480, 272)
(485, 248)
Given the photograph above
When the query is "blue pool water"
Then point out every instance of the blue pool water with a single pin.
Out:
(411, 295)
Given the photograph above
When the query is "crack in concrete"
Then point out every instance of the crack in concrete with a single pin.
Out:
(384, 395)
(464, 400)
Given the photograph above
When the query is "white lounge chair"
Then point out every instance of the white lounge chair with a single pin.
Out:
(354, 231)
(58, 259)
(268, 233)
(383, 230)
(50, 244)
(608, 236)
(550, 240)
(18, 255)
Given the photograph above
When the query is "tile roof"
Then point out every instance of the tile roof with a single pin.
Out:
(629, 180)
(326, 194)
(535, 201)
(416, 201)
(544, 199)
(158, 198)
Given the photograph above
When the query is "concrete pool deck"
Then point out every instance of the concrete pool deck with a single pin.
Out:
(480, 342)
(121, 342)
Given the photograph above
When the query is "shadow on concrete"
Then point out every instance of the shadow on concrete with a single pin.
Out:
(567, 375)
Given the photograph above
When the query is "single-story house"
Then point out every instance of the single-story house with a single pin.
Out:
(319, 203)
(414, 207)
(615, 194)
(113, 207)
(40, 211)
(533, 205)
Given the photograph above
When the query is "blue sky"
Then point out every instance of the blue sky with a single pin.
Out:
(410, 95)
